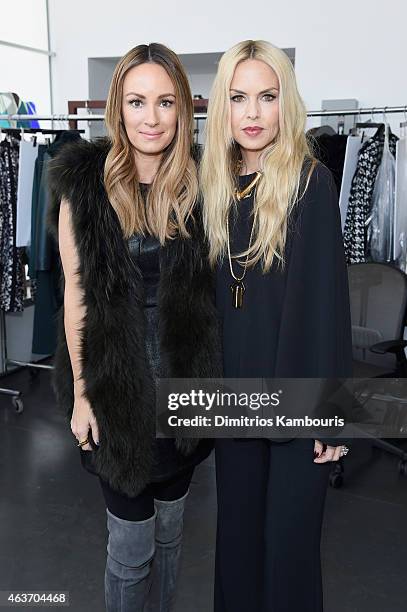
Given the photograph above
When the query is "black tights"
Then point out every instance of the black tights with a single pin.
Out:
(141, 507)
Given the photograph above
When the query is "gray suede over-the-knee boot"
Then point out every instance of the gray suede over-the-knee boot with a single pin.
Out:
(130, 552)
(168, 541)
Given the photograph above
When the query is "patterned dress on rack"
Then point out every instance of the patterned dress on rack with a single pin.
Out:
(11, 258)
(360, 199)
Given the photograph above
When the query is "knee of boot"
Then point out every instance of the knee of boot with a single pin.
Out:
(170, 521)
(131, 543)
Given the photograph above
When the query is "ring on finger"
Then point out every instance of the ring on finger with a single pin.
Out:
(344, 451)
(83, 442)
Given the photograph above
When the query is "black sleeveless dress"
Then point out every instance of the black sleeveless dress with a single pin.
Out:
(145, 252)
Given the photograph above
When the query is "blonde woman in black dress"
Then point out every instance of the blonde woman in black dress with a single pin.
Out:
(272, 220)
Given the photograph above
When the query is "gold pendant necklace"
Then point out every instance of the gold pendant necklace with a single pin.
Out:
(238, 288)
(246, 192)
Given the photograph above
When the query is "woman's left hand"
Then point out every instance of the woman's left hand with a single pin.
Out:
(331, 453)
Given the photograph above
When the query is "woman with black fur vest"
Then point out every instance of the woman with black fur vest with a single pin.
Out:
(138, 305)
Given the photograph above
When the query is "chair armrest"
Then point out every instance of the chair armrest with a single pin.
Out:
(390, 346)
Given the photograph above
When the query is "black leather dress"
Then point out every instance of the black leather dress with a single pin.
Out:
(145, 252)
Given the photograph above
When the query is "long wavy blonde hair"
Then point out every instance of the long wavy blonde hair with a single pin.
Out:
(175, 187)
(281, 162)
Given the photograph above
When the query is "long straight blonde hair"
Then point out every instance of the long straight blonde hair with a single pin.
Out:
(175, 187)
(281, 162)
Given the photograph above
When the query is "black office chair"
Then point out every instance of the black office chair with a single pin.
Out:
(378, 302)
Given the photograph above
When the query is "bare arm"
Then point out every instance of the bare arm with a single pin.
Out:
(74, 313)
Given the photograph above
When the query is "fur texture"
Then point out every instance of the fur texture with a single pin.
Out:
(117, 381)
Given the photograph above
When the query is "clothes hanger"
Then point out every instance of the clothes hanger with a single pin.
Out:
(15, 132)
(364, 125)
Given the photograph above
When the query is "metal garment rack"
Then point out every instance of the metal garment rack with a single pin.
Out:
(374, 110)
(73, 118)
(4, 362)
(34, 367)
(199, 115)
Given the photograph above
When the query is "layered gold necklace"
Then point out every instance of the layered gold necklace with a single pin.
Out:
(238, 288)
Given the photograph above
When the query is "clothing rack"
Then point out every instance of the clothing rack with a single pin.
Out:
(15, 395)
(374, 110)
(34, 367)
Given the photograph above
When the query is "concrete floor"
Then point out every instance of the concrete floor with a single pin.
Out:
(52, 519)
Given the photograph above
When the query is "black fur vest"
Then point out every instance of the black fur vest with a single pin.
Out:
(117, 381)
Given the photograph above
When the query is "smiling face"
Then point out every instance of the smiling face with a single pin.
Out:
(149, 108)
(254, 92)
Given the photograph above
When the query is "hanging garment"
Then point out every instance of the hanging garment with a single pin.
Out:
(27, 108)
(380, 224)
(360, 200)
(44, 257)
(26, 165)
(22, 110)
(48, 296)
(349, 168)
(38, 166)
(11, 263)
(41, 241)
(330, 150)
(31, 110)
(8, 106)
(400, 207)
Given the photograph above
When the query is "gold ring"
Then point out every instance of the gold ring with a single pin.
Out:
(83, 442)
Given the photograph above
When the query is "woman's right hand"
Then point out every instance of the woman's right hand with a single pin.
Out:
(82, 420)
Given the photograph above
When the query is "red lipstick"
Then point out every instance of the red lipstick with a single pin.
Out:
(253, 130)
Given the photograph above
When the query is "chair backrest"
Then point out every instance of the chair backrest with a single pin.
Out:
(378, 302)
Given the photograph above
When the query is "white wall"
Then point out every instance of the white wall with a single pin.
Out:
(21, 71)
(346, 50)
(26, 74)
(25, 24)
